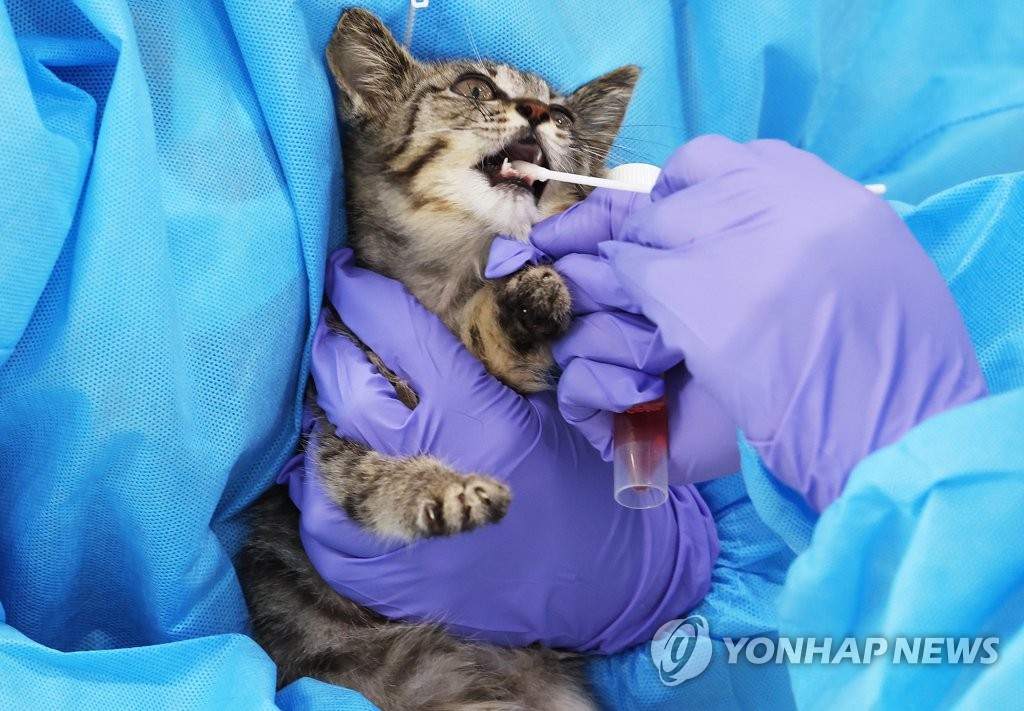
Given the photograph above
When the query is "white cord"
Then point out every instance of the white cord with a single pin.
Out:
(414, 5)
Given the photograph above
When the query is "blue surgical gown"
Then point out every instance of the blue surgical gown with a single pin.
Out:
(170, 178)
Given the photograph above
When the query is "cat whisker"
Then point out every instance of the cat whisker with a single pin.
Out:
(583, 149)
(472, 43)
(617, 142)
(476, 104)
(417, 134)
(637, 139)
(651, 125)
(615, 146)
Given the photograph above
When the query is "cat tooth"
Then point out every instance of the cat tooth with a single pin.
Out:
(505, 166)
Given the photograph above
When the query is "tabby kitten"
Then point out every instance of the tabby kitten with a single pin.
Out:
(426, 195)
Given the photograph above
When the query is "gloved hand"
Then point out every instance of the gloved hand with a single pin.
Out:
(567, 565)
(799, 301)
(608, 327)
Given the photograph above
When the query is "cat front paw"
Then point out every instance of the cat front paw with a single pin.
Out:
(534, 306)
(462, 505)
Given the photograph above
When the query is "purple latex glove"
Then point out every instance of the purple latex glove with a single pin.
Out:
(567, 566)
(800, 302)
(621, 366)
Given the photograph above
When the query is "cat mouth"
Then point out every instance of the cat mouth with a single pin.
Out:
(495, 166)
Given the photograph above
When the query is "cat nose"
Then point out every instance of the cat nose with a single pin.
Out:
(533, 111)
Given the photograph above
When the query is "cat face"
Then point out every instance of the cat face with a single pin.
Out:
(435, 136)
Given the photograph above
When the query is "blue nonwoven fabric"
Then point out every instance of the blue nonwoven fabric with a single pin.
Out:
(171, 189)
(921, 544)
(227, 671)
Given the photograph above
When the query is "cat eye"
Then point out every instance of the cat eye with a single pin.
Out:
(561, 117)
(476, 87)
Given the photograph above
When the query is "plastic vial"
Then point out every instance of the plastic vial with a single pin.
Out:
(640, 465)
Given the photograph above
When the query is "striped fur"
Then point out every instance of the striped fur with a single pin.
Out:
(419, 211)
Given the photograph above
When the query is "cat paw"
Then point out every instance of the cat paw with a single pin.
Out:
(463, 505)
(533, 306)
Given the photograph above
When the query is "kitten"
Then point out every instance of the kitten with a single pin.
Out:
(426, 195)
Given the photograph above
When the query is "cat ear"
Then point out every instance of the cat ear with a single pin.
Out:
(600, 106)
(369, 66)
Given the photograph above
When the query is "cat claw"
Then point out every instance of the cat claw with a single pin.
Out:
(463, 506)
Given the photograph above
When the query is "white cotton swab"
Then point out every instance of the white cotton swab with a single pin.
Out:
(634, 177)
(540, 173)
